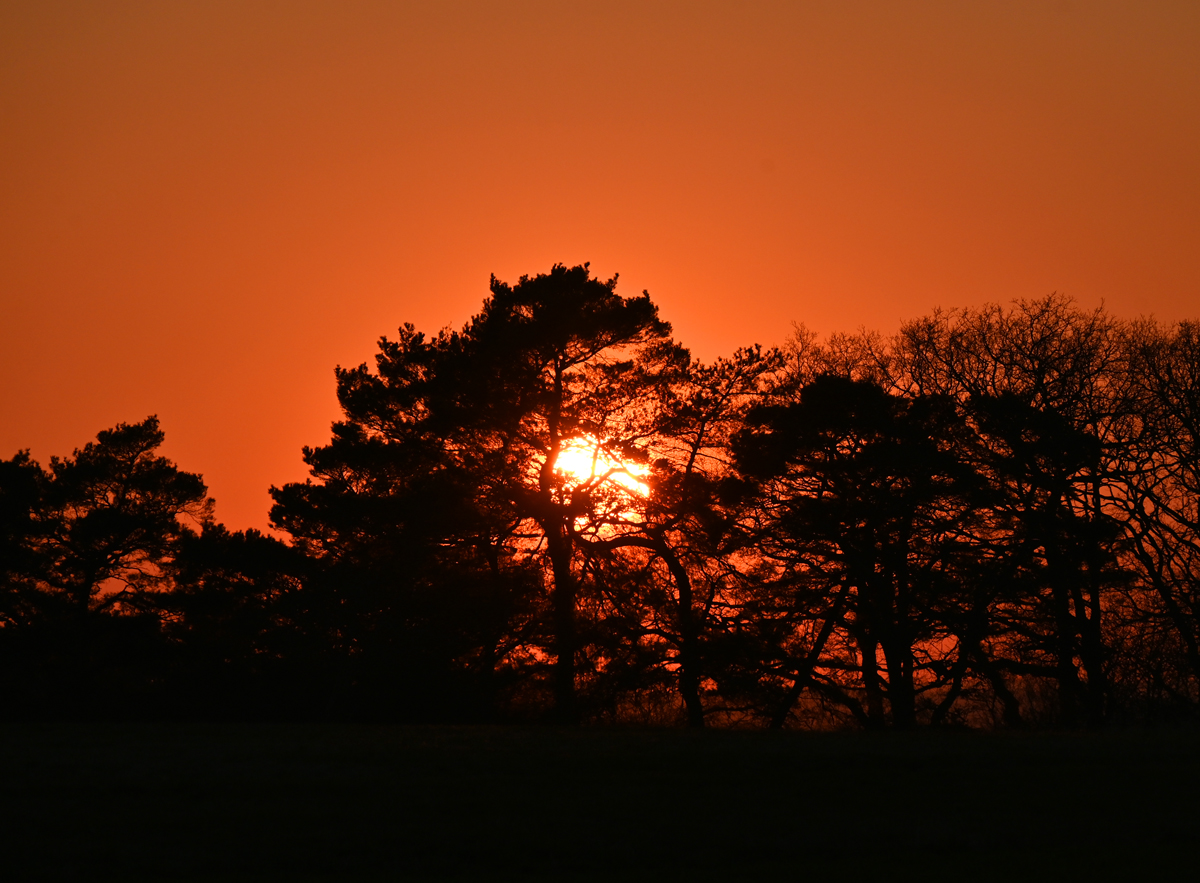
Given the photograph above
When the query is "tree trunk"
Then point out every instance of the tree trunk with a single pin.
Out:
(872, 684)
(689, 637)
(901, 693)
(558, 546)
(1068, 675)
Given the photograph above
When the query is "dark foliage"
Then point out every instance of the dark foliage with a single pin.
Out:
(556, 513)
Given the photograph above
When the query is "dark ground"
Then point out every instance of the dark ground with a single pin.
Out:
(340, 802)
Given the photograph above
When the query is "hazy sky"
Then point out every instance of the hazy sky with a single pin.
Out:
(206, 206)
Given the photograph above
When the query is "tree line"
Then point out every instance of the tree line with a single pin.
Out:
(990, 518)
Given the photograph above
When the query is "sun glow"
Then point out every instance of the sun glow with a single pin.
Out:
(582, 460)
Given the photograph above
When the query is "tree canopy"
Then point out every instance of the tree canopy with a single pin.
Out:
(555, 512)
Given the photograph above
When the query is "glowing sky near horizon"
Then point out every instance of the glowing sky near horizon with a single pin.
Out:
(206, 206)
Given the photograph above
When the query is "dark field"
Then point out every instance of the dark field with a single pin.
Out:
(331, 802)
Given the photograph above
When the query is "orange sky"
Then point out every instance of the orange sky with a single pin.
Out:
(205, 206)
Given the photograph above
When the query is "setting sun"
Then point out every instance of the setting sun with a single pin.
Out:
(584, 459)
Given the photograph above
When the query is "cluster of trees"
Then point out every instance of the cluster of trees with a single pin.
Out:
(991, 518)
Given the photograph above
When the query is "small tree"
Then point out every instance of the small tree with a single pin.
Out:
(93, 540)
(21, 486)
(113, 513)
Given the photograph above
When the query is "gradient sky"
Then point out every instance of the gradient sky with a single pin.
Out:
(206, 206)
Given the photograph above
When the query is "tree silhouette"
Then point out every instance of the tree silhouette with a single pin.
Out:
(92, 539)
(486, 413)
(1042, 385)
(239, 621)
(679, 598)
(113, 515)
(865, 494)
(21, 485)
(1160, 505)
(989, 518)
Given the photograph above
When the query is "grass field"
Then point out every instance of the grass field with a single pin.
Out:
(341, 802)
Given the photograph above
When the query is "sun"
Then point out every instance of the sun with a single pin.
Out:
(583, 459)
